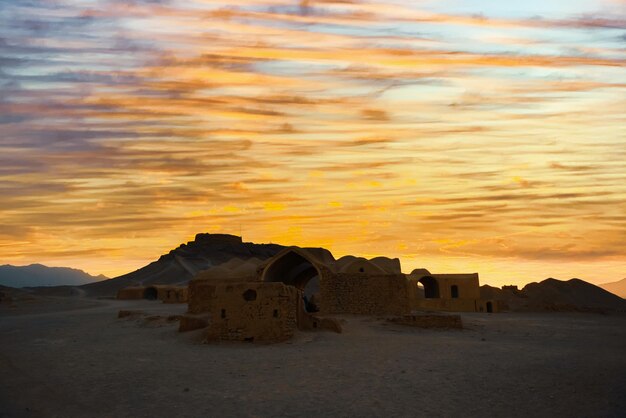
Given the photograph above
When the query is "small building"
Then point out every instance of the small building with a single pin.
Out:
(252, 311)
(164, 293)
(447, 292)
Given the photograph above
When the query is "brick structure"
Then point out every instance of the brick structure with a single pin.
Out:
(173, 294)
(164, 293)
(354, 293)
(447, 293)
(129, 293)
(353, 285)
(247, 311)
(271, 305)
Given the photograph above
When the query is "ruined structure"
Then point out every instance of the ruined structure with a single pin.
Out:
(249, 311)
(448, 292)
(164, 293)
(355, 285)
(299, 287)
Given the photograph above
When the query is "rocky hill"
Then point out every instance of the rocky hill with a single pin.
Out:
(36, 275)
(557, 295)
(184, 262)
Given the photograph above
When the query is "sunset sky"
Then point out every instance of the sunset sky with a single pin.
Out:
(459, 135)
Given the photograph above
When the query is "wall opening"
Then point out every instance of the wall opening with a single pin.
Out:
(292, 269)
(249, 295)
(420, 290)
(489, 307)
(454, 291)
(296, 270)
(431, 287)
(150, 293)
(223, 314)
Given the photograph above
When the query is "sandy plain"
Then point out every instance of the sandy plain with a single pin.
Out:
(72, 357)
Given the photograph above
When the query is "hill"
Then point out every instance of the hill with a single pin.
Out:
(617, 288)
(557, 295)
(184, 262)
(36, 275)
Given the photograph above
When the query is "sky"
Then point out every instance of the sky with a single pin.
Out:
(459, 135)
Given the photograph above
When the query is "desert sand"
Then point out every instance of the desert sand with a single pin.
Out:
(72, 357)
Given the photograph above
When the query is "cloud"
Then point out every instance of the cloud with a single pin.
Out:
(464, 135)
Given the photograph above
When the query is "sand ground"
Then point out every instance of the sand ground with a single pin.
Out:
(72, 357)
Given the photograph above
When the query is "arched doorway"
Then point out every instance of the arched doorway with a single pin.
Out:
(431, 287)
(454, 291)
(150, 293)
(489, 307)
(295, 269)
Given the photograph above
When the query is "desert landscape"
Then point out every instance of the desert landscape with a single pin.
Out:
(77, 351)
(75, 358)
(312, 208)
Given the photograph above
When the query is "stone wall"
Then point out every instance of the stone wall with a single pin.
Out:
(345, 293)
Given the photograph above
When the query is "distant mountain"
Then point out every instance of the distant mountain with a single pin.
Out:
(557, 295)
(184, 262)
(617, 288)
(40, 275)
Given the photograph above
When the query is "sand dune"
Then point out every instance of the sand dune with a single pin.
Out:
(617, 288)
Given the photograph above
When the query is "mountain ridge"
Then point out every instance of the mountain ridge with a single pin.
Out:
(40, 275)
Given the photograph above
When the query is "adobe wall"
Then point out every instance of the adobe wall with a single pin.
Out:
(201, 292)
(467, 297)
(496, 305)
(360, 266)
(347, 293)
(200, 296)
(252, 311)
(467, 285)
(129, 293)
(174, 294)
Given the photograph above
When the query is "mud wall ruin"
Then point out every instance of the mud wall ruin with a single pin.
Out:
(166, 294)
(249, 311)
(130, 293)
(173, 294)
(447, 292)
(353, 293)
